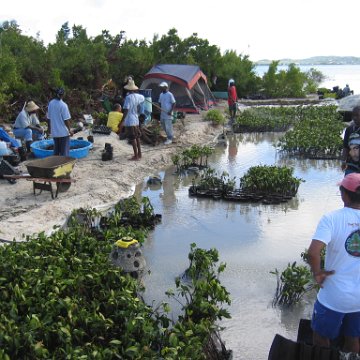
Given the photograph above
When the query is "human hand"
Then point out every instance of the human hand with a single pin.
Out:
(71, 132)
(321, 276)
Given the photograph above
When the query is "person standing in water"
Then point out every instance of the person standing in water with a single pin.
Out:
(337, 308)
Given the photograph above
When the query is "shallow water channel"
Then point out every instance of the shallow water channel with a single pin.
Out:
(252, 239)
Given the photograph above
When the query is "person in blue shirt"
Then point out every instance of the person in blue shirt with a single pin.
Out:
(27, 126)
(59, 124)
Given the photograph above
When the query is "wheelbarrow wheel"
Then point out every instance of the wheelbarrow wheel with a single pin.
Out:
(63, 186)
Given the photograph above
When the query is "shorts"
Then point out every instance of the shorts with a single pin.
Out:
(133, 132)
(330, 324)
(232, 107)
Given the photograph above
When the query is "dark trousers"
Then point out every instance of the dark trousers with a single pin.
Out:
(62, 146)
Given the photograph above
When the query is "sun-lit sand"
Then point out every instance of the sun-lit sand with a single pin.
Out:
(97, 182)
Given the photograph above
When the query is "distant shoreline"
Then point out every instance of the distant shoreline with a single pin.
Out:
(317, 60)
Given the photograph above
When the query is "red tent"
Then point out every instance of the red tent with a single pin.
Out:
(187, 83)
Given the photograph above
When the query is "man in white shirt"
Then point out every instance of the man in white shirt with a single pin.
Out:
(132, 108)
(337, 308)
(167, 104)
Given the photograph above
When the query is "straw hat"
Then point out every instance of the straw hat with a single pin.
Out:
(31, 106)
(131, 85)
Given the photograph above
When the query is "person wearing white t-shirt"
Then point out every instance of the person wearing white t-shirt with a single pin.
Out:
(133, 107)
(167, 104)
(337, 308)
(59, 124)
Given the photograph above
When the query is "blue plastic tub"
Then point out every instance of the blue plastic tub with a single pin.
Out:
(81, 148)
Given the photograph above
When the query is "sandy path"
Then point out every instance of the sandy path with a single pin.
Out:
(97, 182)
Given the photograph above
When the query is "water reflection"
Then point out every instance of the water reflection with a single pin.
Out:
(252, 239)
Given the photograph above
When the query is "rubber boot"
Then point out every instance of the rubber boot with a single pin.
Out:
(28, 148)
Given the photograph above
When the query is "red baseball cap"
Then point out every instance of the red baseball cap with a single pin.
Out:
(351, 182)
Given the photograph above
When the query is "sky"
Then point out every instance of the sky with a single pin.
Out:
(262, 29)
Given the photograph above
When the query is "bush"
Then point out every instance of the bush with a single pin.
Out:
(292, 284)
(215, 116)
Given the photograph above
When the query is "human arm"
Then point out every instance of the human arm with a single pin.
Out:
(68, 125)
(172, 108)
(28, 121)
(38, 128)
(314, 254)
(35, 123)
(122, 122)
(172, 102)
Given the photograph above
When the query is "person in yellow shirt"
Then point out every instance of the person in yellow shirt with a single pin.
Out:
(114, 118)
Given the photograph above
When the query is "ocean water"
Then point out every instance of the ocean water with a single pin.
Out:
(336, 75)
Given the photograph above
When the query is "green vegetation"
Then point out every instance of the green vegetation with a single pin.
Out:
(264, 118)
(265, 184)
(210, 180)
(61, 298)
(271, 180)
(317, 134)
(292, 284)
(295, 281)
(202, 293)
(304, 255)
(215, 116)
(82, 64)
(196, 155)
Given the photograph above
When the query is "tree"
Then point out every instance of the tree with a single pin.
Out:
(80, 61)
(239, 68)
(168, 49)
(23, 66)
(285, 83)
(314, 79)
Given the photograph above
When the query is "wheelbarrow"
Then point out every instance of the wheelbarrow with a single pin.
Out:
(46, 171)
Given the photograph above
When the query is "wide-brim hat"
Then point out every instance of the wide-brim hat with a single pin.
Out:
(31, 106)
(131, 85)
